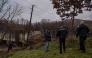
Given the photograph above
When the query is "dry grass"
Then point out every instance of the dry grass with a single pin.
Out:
(36, 41)
(10, 53)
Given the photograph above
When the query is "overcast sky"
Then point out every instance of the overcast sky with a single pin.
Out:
(44, 10)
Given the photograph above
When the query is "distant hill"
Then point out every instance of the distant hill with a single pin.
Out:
(76, 22)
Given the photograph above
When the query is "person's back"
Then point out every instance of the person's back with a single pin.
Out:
(62, 32)
(10, 44)
(83, 29)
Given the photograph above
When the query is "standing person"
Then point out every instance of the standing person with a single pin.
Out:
(82, 31)
(10, 44)
(62, 33)
(47, 39)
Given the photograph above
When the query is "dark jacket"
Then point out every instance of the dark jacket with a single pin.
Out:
(62, 32)
(47, 36)
(10, 45)
(82, 30)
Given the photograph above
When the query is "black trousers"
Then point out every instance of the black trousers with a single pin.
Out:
(9, 48)
(62, 44)
(81, 42)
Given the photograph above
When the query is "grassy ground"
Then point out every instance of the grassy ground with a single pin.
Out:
(71, 51)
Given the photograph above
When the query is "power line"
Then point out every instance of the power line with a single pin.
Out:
(41, 9)
(49, 14)
(44, 10)
(41, 14)
(28, 2)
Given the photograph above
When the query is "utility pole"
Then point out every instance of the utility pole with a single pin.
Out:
(30, 24)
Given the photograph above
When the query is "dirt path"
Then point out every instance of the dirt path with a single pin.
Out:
(3, 49)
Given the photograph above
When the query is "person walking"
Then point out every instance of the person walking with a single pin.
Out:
(62, 33)
(82, 32)
(10, 44)
(47, 39)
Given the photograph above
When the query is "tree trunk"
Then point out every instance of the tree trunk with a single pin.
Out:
(73, 23)
(10, 35)
(17, 37)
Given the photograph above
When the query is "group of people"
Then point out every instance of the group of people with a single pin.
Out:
(82, 32)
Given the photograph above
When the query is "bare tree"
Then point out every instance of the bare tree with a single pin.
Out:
(14, 12)
(11, 13)
(5, 12)
(2, 4)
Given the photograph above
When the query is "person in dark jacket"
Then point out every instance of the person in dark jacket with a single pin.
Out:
(62, 33)
(47, 39)
(82, 32)
(10, 44)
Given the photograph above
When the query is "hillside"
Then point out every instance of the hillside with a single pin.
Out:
(71, 50)
(77, 21)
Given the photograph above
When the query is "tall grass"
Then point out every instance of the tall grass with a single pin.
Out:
(72, 51)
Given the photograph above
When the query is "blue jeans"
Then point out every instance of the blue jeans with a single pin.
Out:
(47, 46)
